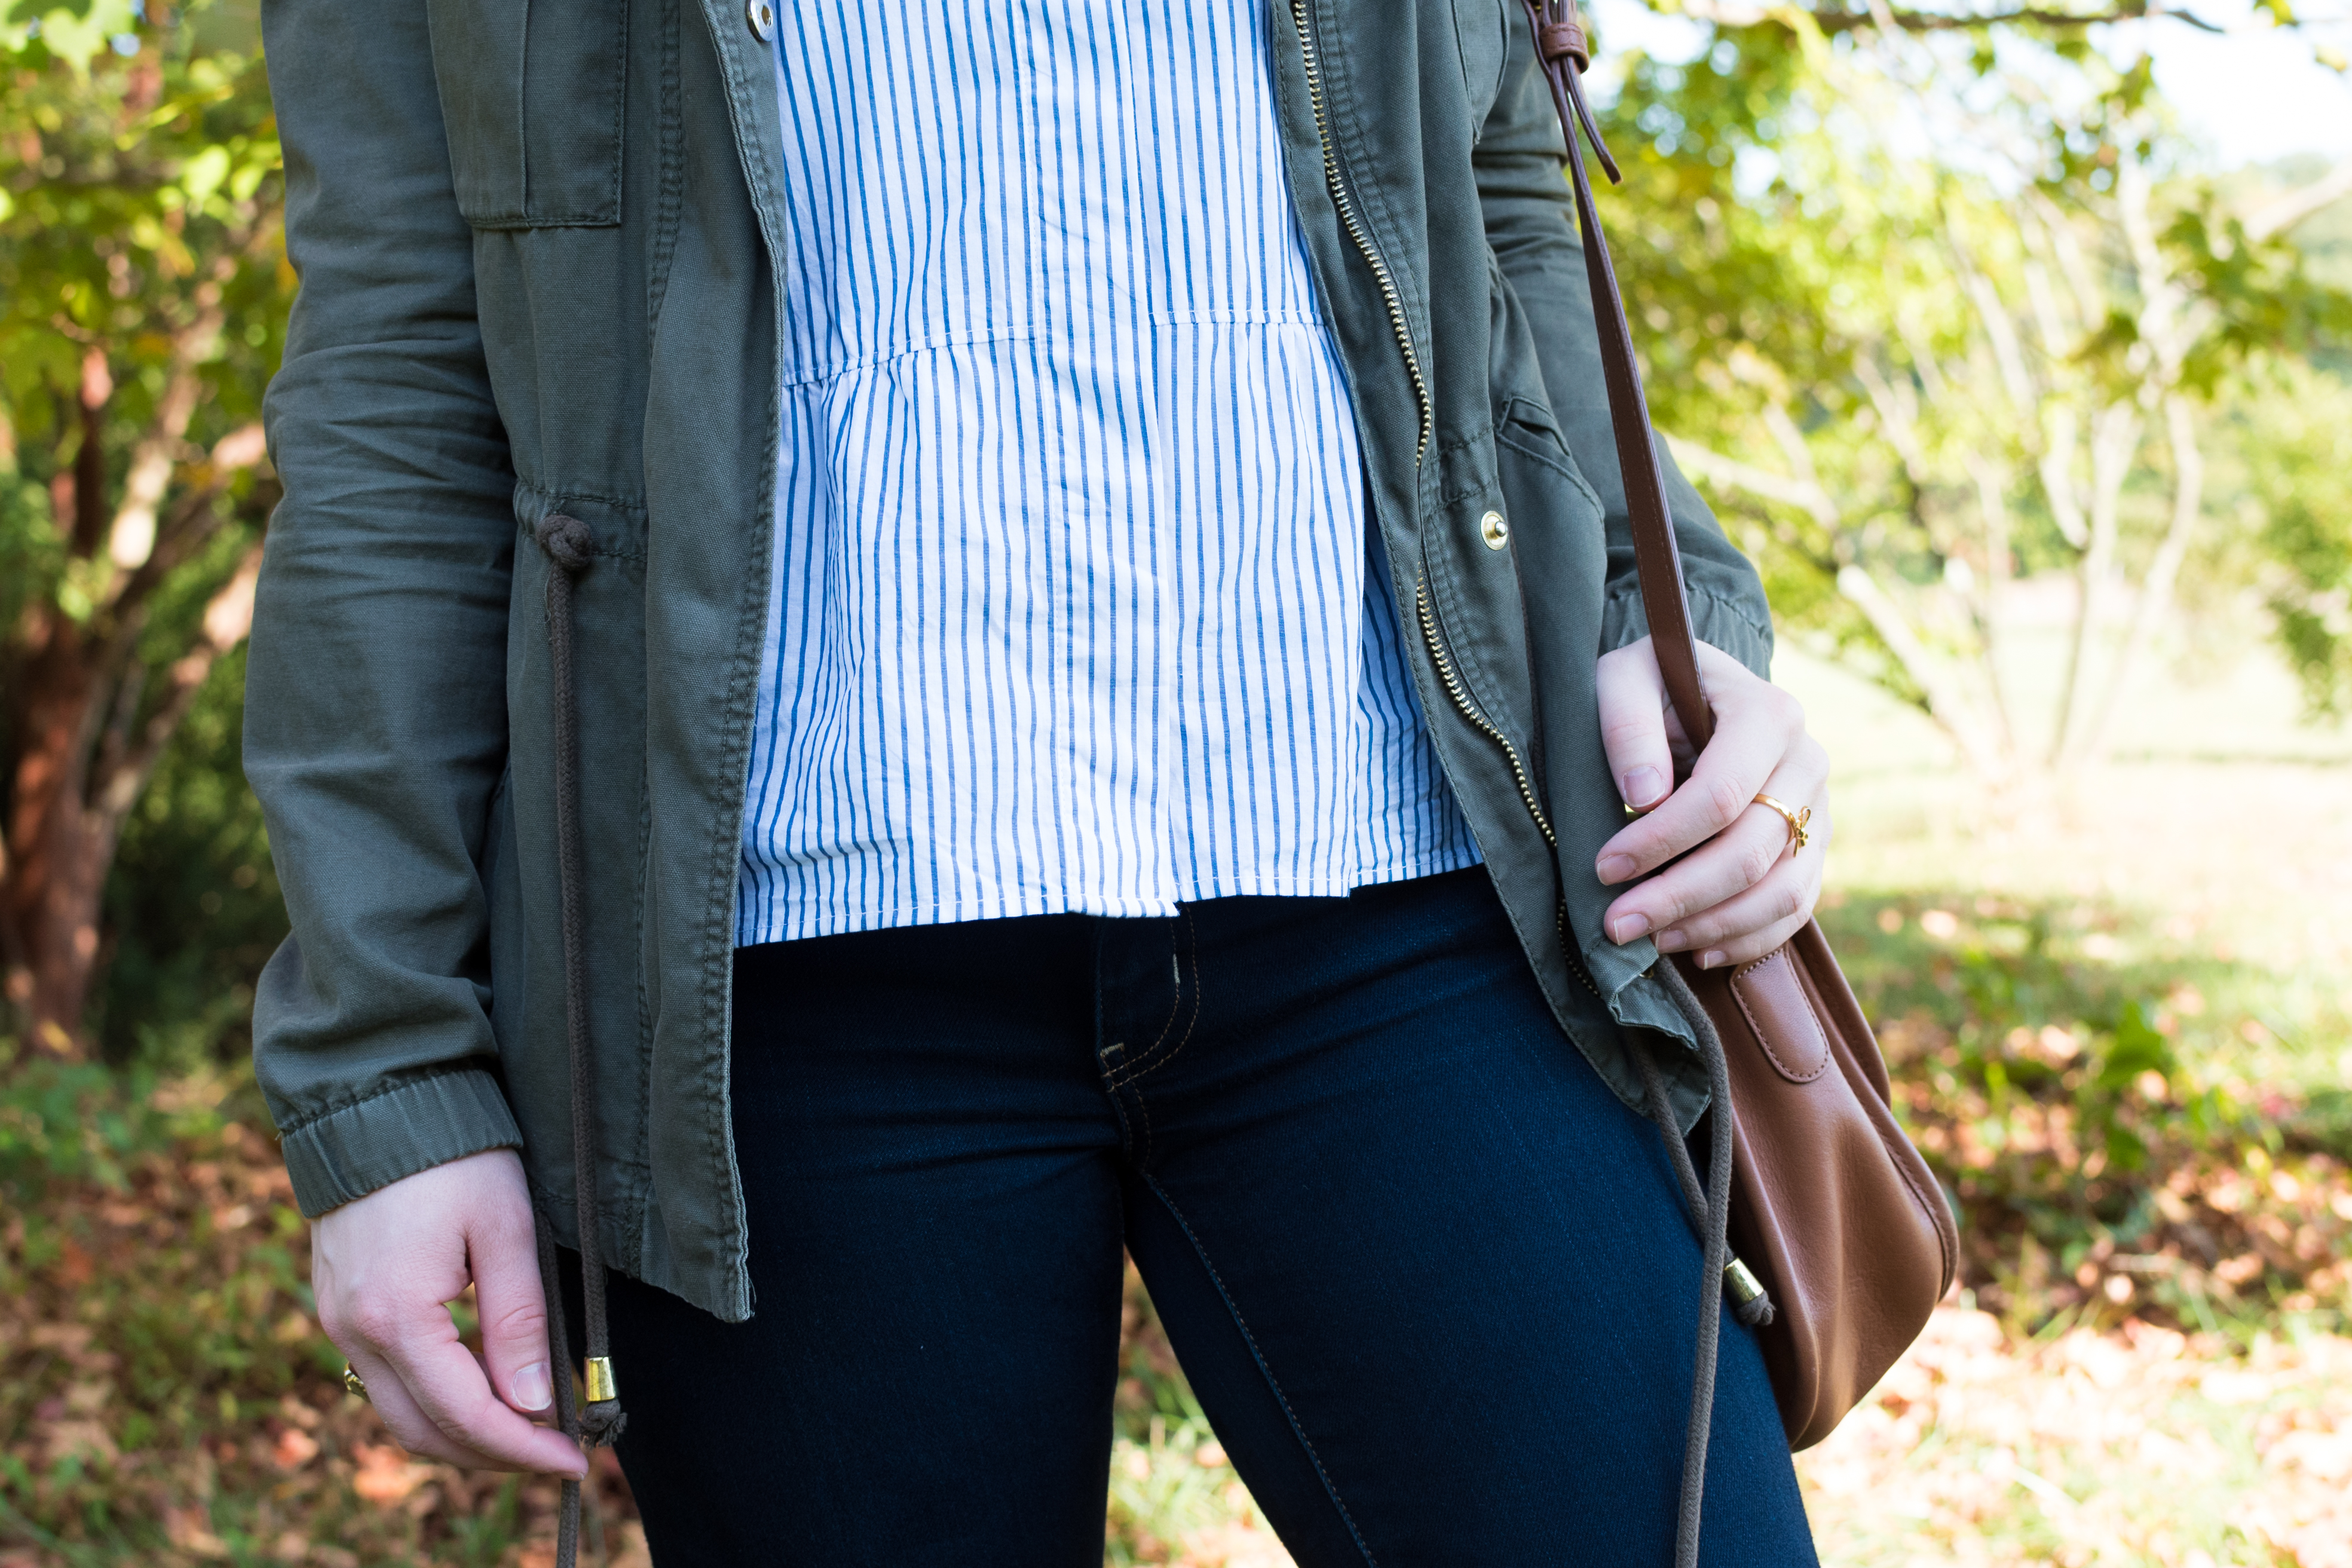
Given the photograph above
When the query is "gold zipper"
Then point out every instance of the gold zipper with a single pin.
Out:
(1346, 203)
(1461, 696)
(1454, 689)
(1567, 946)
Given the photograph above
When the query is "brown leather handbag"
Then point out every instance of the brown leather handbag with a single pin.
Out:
(1844, 1242)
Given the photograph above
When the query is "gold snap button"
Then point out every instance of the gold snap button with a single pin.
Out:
(762, 17)
(1494, 531)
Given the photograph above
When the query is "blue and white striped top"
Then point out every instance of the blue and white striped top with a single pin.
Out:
(1070, 608)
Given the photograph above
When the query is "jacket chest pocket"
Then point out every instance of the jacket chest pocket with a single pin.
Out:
(532, 93)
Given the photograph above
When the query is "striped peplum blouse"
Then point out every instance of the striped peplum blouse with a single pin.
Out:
(1070, 607)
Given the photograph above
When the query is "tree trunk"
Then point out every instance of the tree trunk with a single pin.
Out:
(91, 727)
(59, 850)
(2114, 440)
(2156, 592)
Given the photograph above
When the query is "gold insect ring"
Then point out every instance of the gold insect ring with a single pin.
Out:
(1800, 819)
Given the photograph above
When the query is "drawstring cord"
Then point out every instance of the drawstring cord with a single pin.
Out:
(570, 545)
(1710, 1211)
(567, 1412)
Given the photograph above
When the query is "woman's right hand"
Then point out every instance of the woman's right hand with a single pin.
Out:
(384, 1267)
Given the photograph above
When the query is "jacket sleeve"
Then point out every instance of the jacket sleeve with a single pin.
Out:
(376, 706)
(1531, 225)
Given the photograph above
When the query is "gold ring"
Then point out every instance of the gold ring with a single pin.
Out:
(1798, 819)
(352, 1383)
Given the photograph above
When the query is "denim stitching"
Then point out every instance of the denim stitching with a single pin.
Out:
(1111, 1080)
(1193, 944)
(1175, 1005)
(1142, 1108)
(1126, 1131)
(1298, 1431)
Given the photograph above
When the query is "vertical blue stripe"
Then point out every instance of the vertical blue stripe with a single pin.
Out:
(1075, 603)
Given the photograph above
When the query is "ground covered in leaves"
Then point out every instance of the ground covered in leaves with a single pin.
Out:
(2140, 1446)
(165, 1396)
(2145, 1365)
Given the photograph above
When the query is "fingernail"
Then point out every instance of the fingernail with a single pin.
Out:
(1616, 868)
(531, 1389)
(1711, 959)
(1672, 942)
(1625, 928)
(1643, 786)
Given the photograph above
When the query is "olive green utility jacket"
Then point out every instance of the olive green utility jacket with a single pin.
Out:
(538, 274)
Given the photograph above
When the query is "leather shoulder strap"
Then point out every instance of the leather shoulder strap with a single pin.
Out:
(1561, 47)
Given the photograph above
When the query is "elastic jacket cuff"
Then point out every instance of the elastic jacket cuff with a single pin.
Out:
(349, 1152)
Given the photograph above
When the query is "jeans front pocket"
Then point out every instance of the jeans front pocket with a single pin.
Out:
(532, 94)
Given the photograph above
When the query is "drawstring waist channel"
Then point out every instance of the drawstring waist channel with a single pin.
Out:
(570, 545)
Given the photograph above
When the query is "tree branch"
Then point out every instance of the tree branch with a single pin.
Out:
(2115, 441)
(1999, 330)
(1944, 704)
(1733, 474)
(2291, 208)
(190, 523)
(131, 539)
(1932, 380)
(2156, 592)
(1992, 506)
(1896, 416)
(85, 486)
(2090, 299)
(1733, 14)
(2060, 426)
(228, 617)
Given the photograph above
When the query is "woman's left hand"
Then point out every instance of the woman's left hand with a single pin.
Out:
(1740, 891)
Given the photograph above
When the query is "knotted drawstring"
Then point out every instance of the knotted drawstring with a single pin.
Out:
(570, 545)
(1710, 1211)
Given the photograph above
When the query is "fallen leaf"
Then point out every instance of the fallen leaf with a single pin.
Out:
(386, 1475)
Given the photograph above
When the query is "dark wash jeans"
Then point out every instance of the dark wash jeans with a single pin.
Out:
(1429, 1279)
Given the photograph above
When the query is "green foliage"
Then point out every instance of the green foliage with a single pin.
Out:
(144, 294)
(2296, 442)
(2266, 298)
(193, 906)
(1913, 311)
(81, 1122)
(134, 188)
(71, 33)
